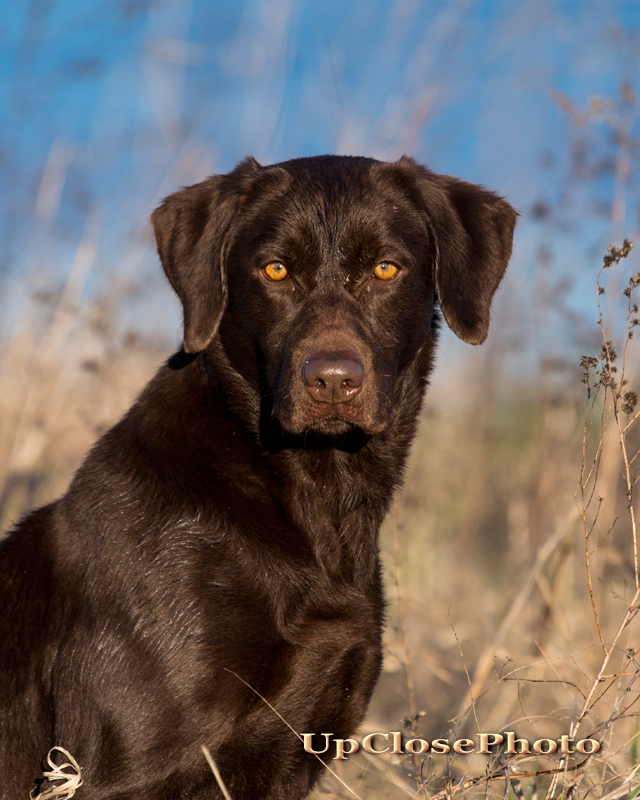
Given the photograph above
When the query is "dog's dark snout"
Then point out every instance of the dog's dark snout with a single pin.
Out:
(333, 377)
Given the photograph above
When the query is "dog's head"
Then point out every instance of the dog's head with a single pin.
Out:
(319, 275)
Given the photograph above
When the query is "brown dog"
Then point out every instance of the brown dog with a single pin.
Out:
(219, 544)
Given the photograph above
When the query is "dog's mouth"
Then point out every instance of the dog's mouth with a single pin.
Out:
(331, 418)
(338, 418)
(331, 392)
(332, 426)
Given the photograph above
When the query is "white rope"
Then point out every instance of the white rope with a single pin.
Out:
(71, 780)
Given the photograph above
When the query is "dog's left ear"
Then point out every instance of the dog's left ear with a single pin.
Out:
(473, 232)
(190, 228)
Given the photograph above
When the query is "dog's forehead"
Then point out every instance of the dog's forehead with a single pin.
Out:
(338, 206)
(335, 181)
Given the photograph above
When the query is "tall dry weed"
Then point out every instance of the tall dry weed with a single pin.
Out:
(513, 588)
(66, 375)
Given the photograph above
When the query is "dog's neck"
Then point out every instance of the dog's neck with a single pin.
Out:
(370, 467)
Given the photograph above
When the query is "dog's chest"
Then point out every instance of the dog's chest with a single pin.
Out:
(306, 640)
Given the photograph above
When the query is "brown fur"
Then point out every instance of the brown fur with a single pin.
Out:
(228, 524)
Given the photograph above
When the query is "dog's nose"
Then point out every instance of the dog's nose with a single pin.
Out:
(333, 377)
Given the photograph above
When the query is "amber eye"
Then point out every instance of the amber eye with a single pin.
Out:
(276, 271)
(385, 271)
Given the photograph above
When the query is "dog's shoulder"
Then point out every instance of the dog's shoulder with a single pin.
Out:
(178, 432)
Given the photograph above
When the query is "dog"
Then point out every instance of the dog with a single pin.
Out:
(212, 575)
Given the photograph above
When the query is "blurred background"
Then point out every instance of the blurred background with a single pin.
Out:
(106, 106)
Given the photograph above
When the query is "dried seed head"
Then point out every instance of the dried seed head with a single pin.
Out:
(608, 353)
(629, 402)
(587, 363)
(615, 254)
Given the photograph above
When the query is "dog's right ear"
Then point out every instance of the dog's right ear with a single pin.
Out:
(190, 228)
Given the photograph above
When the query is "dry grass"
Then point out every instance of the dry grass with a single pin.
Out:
(502, 624)
(66, 375)
(491, 623)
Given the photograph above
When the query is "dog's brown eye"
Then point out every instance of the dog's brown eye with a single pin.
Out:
(276, 271)
(385, 271)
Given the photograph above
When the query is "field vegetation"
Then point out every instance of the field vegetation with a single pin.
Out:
(511, 556)
(496, 621)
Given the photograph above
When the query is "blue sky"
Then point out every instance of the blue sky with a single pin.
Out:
(107, 105)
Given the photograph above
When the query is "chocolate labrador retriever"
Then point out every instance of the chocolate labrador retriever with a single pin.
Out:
(215, 560)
